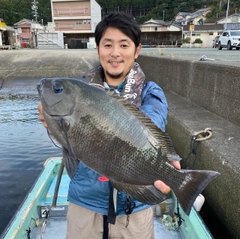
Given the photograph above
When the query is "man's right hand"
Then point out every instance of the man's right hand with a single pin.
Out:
(40, 116)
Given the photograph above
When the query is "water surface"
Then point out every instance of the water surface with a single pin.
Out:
(24, 146)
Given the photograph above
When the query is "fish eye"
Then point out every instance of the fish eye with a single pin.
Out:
(57, 87)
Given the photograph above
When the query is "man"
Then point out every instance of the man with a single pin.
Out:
(118, 46)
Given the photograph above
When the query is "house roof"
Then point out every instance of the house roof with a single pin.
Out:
(187, 16)
(24, 20)
(154, 22)
(205, 27)
(202, 10)
(184, 14)
(9, 28)
(235, 14)
(198, 13)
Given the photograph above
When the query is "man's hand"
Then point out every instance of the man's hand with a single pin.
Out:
(164, 188)
(40, 116)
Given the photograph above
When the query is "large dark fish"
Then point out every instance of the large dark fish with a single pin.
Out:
(116, 140)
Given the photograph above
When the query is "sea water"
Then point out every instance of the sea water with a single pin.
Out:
(24, 147)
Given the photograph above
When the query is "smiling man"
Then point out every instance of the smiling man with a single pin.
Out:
(117, 53)
(92, 201)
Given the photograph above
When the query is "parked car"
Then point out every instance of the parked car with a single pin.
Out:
(215, 42)
(229, 39)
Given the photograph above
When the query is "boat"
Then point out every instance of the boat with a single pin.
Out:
(42, 214)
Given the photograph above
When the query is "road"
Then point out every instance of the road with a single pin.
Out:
(224, 56)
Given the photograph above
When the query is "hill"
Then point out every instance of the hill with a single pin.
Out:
(13, 11)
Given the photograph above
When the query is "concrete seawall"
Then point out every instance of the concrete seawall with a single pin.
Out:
(200, 95)
(18, 67)
(215, 87)
(203, 95)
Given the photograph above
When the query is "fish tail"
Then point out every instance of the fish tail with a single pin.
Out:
(194, 183)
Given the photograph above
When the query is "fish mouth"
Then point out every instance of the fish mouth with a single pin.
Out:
(50, 106)
(48, 111)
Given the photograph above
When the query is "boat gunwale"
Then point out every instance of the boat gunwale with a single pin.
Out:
(47, 174)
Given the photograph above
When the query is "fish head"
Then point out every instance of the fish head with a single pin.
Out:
(57, 96)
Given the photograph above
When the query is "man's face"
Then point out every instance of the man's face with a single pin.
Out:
(117, 53)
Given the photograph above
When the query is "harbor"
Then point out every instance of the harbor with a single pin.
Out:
(201, 94)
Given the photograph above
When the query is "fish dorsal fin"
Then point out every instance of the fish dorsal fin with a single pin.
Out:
(163, 139)
(159, 139)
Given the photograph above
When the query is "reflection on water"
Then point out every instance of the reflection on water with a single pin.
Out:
(24, 148)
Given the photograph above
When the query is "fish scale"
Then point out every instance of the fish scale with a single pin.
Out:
(116, 140)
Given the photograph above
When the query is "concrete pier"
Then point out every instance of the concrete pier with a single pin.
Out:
(201, 94)
(205, 95)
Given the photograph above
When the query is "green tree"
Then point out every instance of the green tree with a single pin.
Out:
(13, 11)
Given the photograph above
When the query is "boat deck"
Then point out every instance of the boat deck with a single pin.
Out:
(55, 225)
(37, 218)
(56, 228)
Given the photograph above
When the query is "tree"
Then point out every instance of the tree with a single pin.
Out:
(13, 11)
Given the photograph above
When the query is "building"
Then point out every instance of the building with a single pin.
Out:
(77, 20)
(181, 18)
(234, 18)
(206, 33)
(196, 18)
(232, 22)
(3, 28)
(194, 27)
(26, 32)
(158, 32)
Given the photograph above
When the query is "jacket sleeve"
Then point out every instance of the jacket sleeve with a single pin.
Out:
(154, 104)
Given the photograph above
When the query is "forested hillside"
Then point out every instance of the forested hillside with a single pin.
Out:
(13, 11)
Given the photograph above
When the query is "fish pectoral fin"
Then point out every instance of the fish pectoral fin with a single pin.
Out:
(69, 159)
(144, 193)
(70, 162)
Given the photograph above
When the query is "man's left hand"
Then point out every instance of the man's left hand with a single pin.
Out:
(160, 185)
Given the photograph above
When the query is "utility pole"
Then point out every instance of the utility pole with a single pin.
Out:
(220, 9)
(220, 5)
(225, 27)
(35, 8)
(34, 29)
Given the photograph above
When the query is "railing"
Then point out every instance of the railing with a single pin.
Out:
(44, 39)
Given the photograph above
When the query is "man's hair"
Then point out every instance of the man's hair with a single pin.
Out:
(123, 22)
